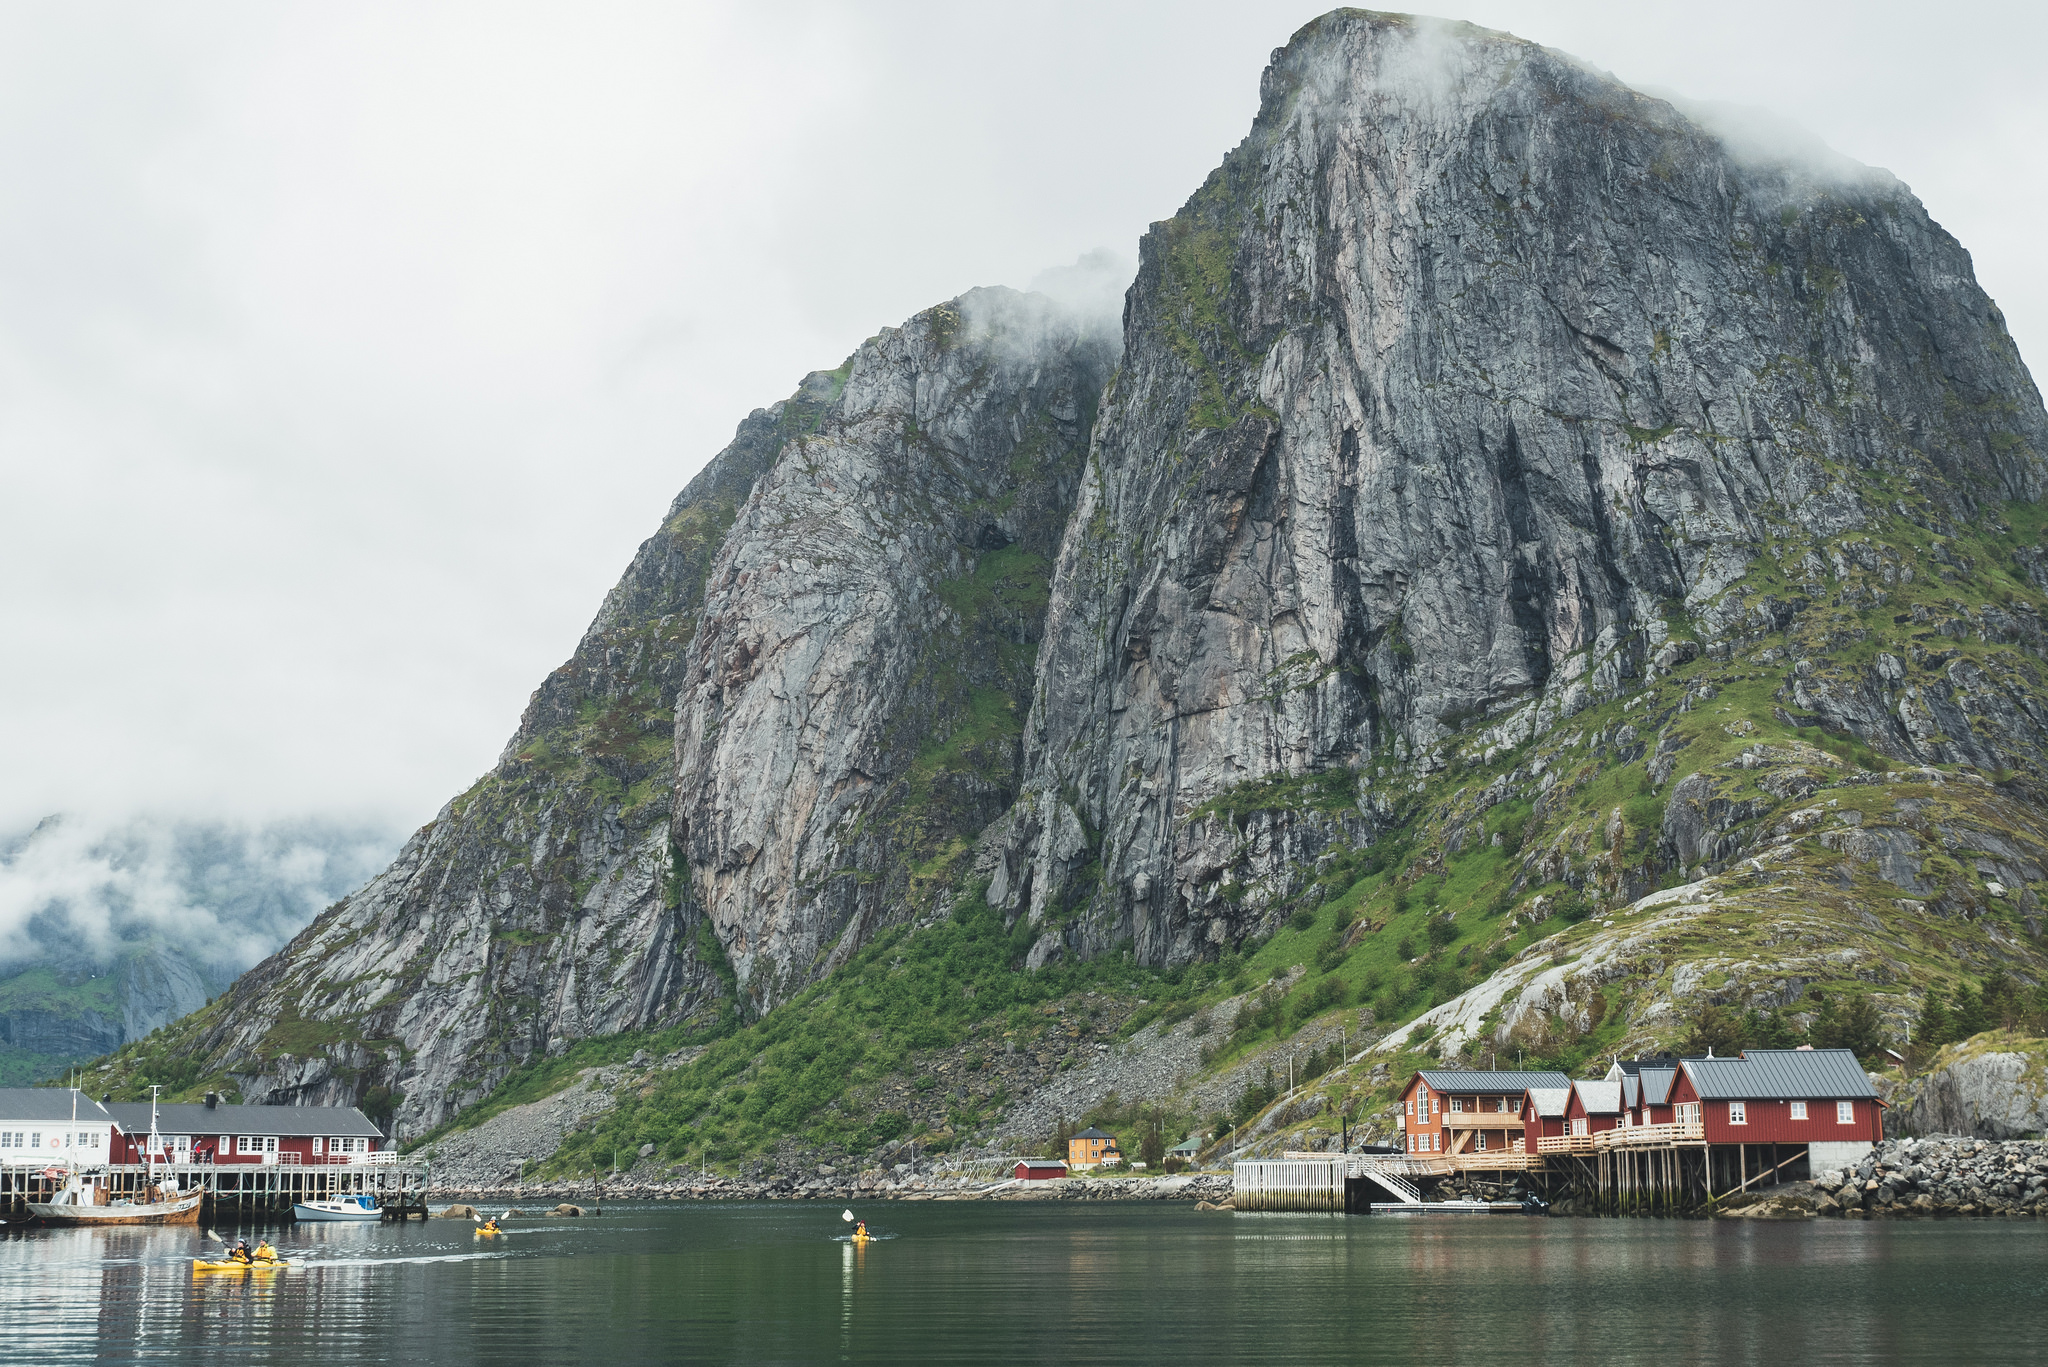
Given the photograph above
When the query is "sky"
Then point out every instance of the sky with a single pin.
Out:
(347, 352)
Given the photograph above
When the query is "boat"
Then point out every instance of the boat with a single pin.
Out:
(81, 1203)
(236, 1265)
(482, 1233)
(75, 1205)
(344, 1208)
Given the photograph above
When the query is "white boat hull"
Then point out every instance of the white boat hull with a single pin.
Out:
(338, 1211)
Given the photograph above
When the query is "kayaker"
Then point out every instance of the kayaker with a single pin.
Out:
(264, 1252)
(240, 1252)
(860, 1230)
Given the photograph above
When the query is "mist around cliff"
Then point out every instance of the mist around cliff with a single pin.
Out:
(80, 892)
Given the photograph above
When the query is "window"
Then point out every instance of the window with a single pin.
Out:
(1798, 1110)
(255, 1143)
(1578, 1124)
(1738, 1113)
(1436, 1141)
(35, 1139)
(1482, 1141)
(1457, 1105)
(1845, 1113)
(1687, 1112)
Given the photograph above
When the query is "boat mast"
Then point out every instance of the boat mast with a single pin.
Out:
(149, 1158)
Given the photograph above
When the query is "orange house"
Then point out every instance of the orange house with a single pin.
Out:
(1092, 1148)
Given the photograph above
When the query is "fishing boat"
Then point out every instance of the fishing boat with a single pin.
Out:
(79, 1202)
(341, 1208)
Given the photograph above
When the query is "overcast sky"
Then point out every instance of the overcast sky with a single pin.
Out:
(346, 352)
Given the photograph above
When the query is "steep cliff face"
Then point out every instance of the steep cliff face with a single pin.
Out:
(1472, 389)
(539, 907)
(853, 701)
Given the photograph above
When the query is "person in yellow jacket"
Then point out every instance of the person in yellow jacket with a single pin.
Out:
(264, 1252)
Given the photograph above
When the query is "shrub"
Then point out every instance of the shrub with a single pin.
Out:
(1443, 930)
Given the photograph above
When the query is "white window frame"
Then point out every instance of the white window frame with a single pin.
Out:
(1738, 1113)
(1798, 1109)
(35, 1139)
(1578, 1125)
(1457, 1105)
(1845, 1113)
(1482, 1143)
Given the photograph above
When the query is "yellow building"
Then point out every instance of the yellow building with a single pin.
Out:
(1092, 1148)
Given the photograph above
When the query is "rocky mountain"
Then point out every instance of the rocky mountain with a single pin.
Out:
(1536, 569)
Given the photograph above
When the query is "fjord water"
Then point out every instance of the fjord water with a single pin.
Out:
(1066, 1283)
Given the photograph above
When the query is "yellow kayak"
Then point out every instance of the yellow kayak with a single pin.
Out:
(234, 1265)
(862, 1238)
(488, 1233)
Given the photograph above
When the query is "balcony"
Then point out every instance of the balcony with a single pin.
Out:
(1651, 1136)
(1566, 1143)
(1483, 1120)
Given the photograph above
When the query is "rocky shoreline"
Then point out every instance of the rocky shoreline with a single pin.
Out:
(1211, 1187)
(1942, 1175)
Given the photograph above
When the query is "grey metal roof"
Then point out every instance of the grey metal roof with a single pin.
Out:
(1041, 1162)
(1458, 1082)
(44, 1105)
(193, 1118)
(1791, 1074)
(1092, 1133)
(1657, 1085)
(1550, 1100)
(1631, 1091)
(1600, 1098)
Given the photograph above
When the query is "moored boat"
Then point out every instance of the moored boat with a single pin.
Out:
(340, 1208)
(76, 1205)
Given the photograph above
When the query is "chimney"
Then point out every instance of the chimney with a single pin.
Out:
(212, 1100)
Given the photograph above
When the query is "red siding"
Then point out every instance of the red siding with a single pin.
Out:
(1770, 1122)
(1575, 1109)
(216, 1148)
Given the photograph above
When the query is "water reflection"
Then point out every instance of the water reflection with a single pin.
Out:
(957, 1282)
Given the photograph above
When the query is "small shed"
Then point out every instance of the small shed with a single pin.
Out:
(1188, 1150)
(1039, 1169)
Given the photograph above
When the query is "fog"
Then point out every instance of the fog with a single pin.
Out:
(346, 352)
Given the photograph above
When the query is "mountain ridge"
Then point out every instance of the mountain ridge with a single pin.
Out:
(1532, 575)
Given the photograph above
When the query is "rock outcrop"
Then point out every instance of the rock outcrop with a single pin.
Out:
(856, 692)
(1463, 381)
(1992, 1086)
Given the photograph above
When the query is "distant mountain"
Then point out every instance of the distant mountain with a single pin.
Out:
(109, 931)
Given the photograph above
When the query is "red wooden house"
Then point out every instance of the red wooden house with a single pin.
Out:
(1452, 1111)
(1593, 1107)
(1817, 1097)
(1656, 1095)
(215, 1133)
(1039, 1169)
(1543, 1114)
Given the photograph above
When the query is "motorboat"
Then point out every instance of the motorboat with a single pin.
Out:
(340, 1208)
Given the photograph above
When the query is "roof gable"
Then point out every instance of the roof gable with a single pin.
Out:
(1092, 1133)
(1657, 1085)
(1597, 1098)
(1550, 1101)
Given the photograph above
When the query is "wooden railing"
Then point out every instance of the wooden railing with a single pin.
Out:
(1483, 1120)
(1650, 1136)
(1566, 1143)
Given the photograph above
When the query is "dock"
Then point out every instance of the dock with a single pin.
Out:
(240, 1191)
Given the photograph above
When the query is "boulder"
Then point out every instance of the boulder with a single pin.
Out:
(457, 1212)
(1993, 1086)
(566, 1209)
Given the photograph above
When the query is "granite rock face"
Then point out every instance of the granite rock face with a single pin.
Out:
(1991, 1087)
(853, 700)
(1465, 375)
(539, 907)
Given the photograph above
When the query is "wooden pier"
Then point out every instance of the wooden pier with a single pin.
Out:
(238, 1191)
(1640, 1170)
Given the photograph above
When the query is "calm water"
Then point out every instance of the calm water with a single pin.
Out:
(970, 1282)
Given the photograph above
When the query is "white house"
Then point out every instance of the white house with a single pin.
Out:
(53, 1126)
